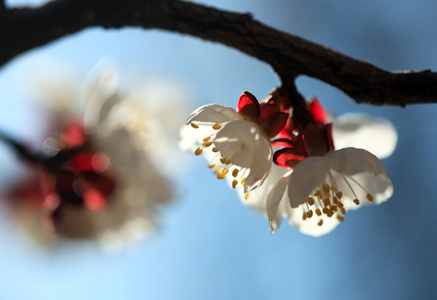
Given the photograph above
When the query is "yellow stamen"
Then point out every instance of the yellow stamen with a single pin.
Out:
(310, 201)
(369, 197)
(198, 150)
(224, 171)
(216, 126)
(246, 196)
(205, 139)
(220, 176)
(211, 166)
(195, 126)
(309, 214)
(214, 150)
(243, 180)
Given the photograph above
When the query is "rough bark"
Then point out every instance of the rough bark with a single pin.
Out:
(289, 55)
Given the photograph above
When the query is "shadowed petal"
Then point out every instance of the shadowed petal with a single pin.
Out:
(375, 135)
(213, 113)
(307, 175)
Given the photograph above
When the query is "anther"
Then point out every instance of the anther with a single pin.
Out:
(216, 126)
(369, 197)
(243, 180)
(235, 172)
(214, 150)
(318, 212)
(224, 171)
(195, 126)
(339, 194)
(326, 202)
(198, 150)
(342, 210)
(310, 201)
(309, 214)
(211, 166)
(340, 218)
(320, 223)
(234, 183)
(246, 196)
(335, 200)
(326, 188)
(357, 202)
(304, 216)
(207, 144)
(227, 161)
(206, 139)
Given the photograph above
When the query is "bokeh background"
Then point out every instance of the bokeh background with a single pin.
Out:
(209, 245)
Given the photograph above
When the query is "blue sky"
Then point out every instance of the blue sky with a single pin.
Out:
(210, 246)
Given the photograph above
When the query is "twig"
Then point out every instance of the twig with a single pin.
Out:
(289, 55)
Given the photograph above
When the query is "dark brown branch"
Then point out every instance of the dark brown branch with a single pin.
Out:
(289, 55)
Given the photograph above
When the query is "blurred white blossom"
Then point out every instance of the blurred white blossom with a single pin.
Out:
(104, 176)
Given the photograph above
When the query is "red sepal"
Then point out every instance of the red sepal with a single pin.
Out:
(94, 200)
(317, 111)
(82, 162)
(287, 158)
(315, 140)
(248, 107)
(73, 134)
(283, 143)
(274, 123)
(328, 129)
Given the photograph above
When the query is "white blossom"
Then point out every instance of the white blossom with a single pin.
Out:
(234, 147)
(133, 139)
(354, 174)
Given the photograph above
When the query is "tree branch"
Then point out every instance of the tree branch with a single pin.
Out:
(289, 55)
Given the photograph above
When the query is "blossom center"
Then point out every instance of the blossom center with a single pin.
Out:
(221, 165)
(327, 201)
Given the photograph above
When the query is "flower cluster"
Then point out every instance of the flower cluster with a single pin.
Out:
(96, 176)
(290, 168)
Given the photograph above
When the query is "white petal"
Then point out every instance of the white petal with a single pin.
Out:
(191, 138)
(100, 93)
(260, 166)
(380, 187)
(351, 161)
(213, 113)
(306, 176)
(375, 135)
(274, 198)
(238, 141)
(309, 226)
(257, 197)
